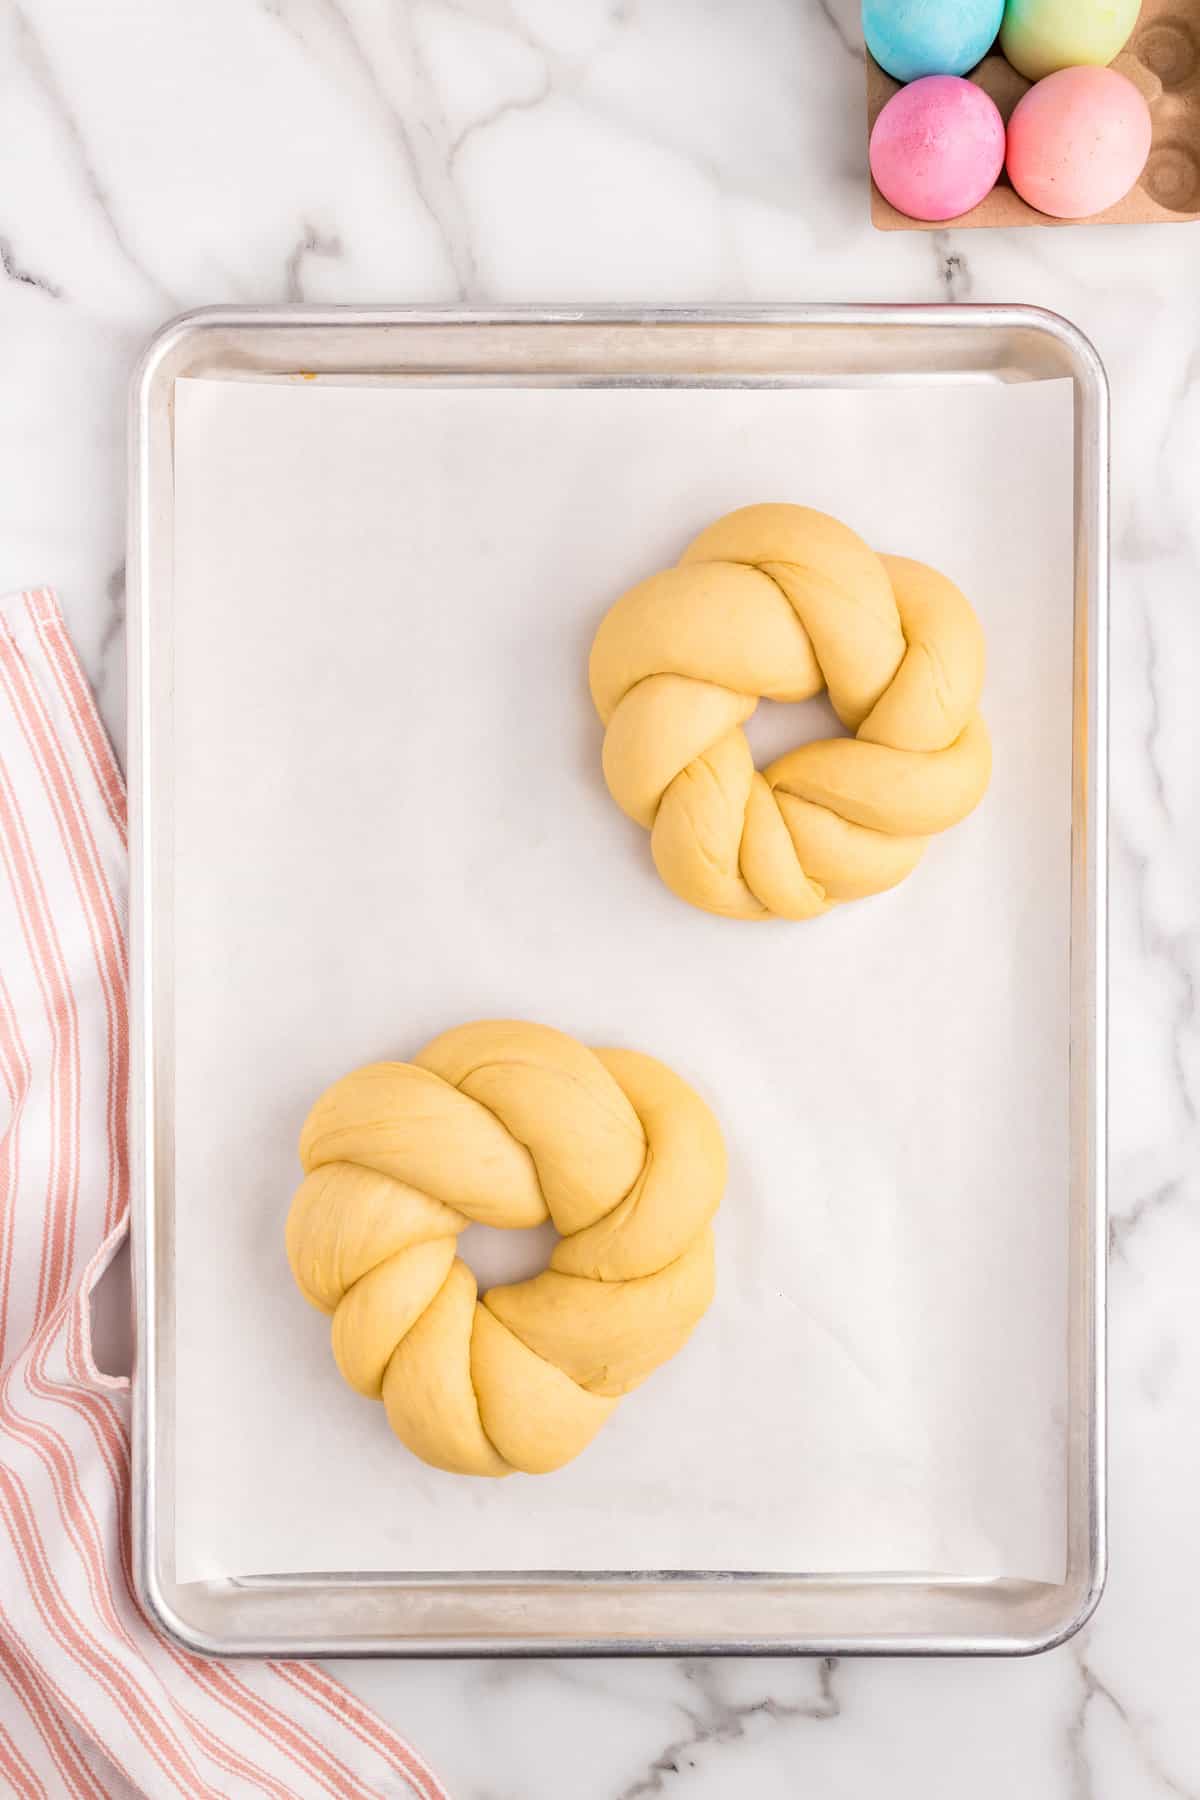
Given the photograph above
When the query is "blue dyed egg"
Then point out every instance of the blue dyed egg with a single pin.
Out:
(911, 38)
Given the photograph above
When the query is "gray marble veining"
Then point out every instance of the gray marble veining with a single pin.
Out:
(163, 155)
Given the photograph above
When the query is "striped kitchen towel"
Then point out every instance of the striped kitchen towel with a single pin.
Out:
(94, 1702)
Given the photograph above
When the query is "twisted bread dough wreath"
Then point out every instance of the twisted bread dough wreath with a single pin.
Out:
(506, 1123)
(777, 602)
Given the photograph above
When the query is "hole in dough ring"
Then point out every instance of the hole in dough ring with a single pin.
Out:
(778, 602)
(508, 1123)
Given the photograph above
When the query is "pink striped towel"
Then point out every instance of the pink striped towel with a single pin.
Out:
(94, 1703)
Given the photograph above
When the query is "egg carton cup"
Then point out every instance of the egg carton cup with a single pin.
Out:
(1162, 59)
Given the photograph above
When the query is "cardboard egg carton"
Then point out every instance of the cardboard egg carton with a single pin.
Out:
(1162, 58)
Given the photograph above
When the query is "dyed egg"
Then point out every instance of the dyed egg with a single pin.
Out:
(937, 148)
(1077, 142)
(911, 38)
(1040, 36)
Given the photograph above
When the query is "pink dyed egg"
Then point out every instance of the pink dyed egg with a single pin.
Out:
(1077, 142)
(937, 147)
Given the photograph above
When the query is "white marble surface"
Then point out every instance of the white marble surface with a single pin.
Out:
(156, 154)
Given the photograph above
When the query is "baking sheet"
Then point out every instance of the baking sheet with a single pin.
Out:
(389, 817)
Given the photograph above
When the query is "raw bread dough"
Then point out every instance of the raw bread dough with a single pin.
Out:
(507, 1123)
(777, 602)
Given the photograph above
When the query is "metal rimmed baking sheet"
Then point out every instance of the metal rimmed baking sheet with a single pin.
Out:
(305, 1612)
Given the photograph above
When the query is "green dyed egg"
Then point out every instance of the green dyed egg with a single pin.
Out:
(1041, 36)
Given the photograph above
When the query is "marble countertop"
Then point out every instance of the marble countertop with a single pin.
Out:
(160, 154)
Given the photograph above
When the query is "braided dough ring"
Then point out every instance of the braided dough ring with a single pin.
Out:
(506, 1123)
(777, 602)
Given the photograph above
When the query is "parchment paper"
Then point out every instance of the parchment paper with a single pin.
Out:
(390, 817)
